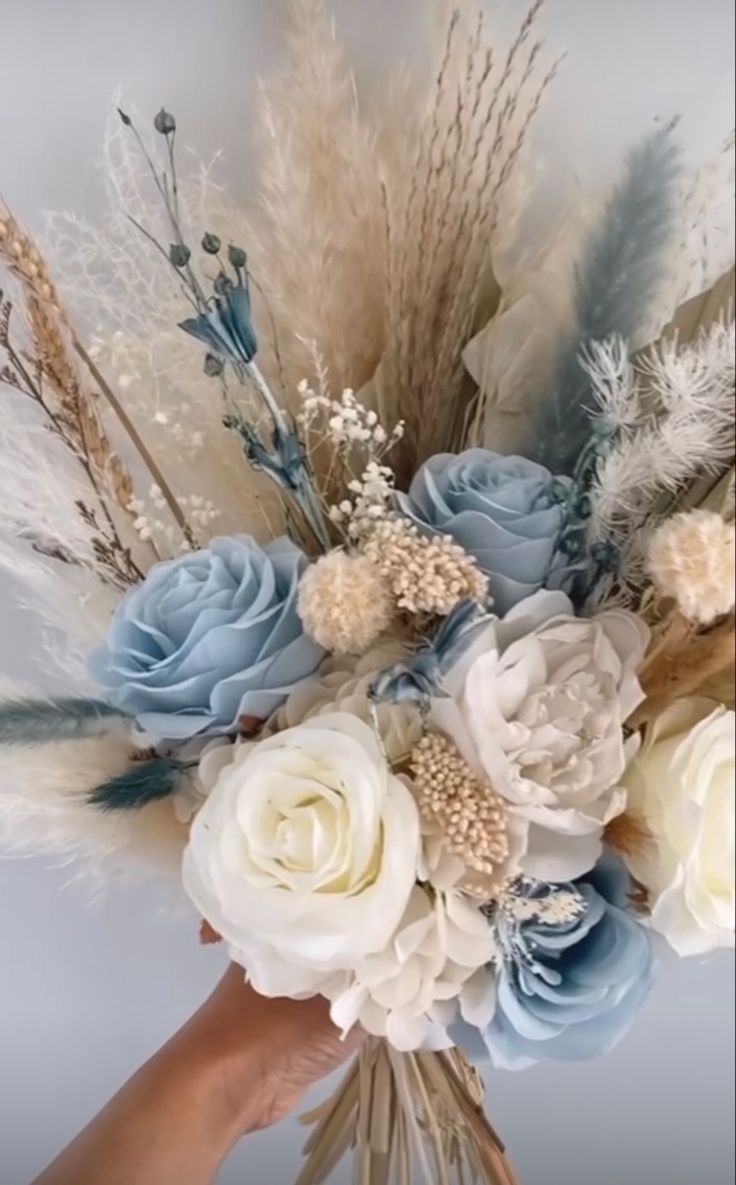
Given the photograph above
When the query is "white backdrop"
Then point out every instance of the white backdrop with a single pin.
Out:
(86, 993)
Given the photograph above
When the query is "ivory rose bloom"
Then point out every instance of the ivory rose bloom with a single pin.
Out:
(682, 785)
(304, 854)
(537, 706)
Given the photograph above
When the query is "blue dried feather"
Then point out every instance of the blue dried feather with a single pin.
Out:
(37, 722)
(616, 281)
(142, 783)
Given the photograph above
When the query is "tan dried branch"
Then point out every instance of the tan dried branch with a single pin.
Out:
(685, 661)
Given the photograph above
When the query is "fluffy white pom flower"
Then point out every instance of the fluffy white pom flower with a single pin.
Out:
(537, 706)
(682, 785)
(305, 853)
(692, 557)
(344, 603)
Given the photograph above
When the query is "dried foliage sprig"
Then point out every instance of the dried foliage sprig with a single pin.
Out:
(26, 372)
(684, 662)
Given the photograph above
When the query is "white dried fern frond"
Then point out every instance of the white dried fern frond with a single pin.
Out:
(675, 412)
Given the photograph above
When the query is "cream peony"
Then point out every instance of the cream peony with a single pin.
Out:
(343, 685)
(682, 784)
(537, 706)
(435, 963)
(305, 853)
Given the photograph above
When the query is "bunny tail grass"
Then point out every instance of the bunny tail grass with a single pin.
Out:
(36, 722)
(144, 782)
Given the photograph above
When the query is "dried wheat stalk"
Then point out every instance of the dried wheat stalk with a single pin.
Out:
(441, 228)
(57, 345)
(410, 1119)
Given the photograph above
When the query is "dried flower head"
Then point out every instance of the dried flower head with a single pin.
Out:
(471, 816)
(344, 603)
(692, 558)
(425, 574)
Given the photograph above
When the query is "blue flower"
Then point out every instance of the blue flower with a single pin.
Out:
(209, 638)
(567, 990)
(506, 511)
(227, 327)
(418, 679)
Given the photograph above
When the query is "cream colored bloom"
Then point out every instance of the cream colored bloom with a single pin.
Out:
(343, 687)
(433, 968)
(692, 558)
(344, 603)
(537, 706)
(305, 853)
(682, 784)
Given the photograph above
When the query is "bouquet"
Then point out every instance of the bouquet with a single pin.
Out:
(389, 561)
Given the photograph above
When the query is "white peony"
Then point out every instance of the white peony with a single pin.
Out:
(682, 785)
(537, 706)
(305, 853)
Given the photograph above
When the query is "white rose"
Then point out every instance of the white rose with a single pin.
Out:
(537, 706)
(305, 853)
(682, 784)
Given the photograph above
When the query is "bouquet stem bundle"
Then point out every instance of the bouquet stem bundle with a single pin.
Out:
(403, 1115)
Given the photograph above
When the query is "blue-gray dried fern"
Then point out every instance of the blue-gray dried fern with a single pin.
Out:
(616, 280)
(36, 722)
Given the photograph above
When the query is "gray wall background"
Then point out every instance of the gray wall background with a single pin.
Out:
(88, 992)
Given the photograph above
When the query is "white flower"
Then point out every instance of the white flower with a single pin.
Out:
(436, 963)
(682, 784)
(343, 686)
(305, 853)
(537, 706)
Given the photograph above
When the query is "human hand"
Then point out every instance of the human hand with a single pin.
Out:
(267, 1053)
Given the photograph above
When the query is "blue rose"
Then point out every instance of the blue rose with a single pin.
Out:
(209, 638)
(506, 511)
(567, 990)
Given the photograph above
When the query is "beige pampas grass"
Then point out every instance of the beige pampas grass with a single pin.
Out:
(316, 239)
(44, 810)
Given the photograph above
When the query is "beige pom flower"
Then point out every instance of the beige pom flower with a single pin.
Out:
(343, 603)
(692, 558)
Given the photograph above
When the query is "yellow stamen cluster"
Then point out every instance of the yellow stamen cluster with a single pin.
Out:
(425, 574)
(471, 816)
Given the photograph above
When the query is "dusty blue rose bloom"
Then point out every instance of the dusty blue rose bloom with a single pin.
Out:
(209, 638)
(507, 511)
(567, 991)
